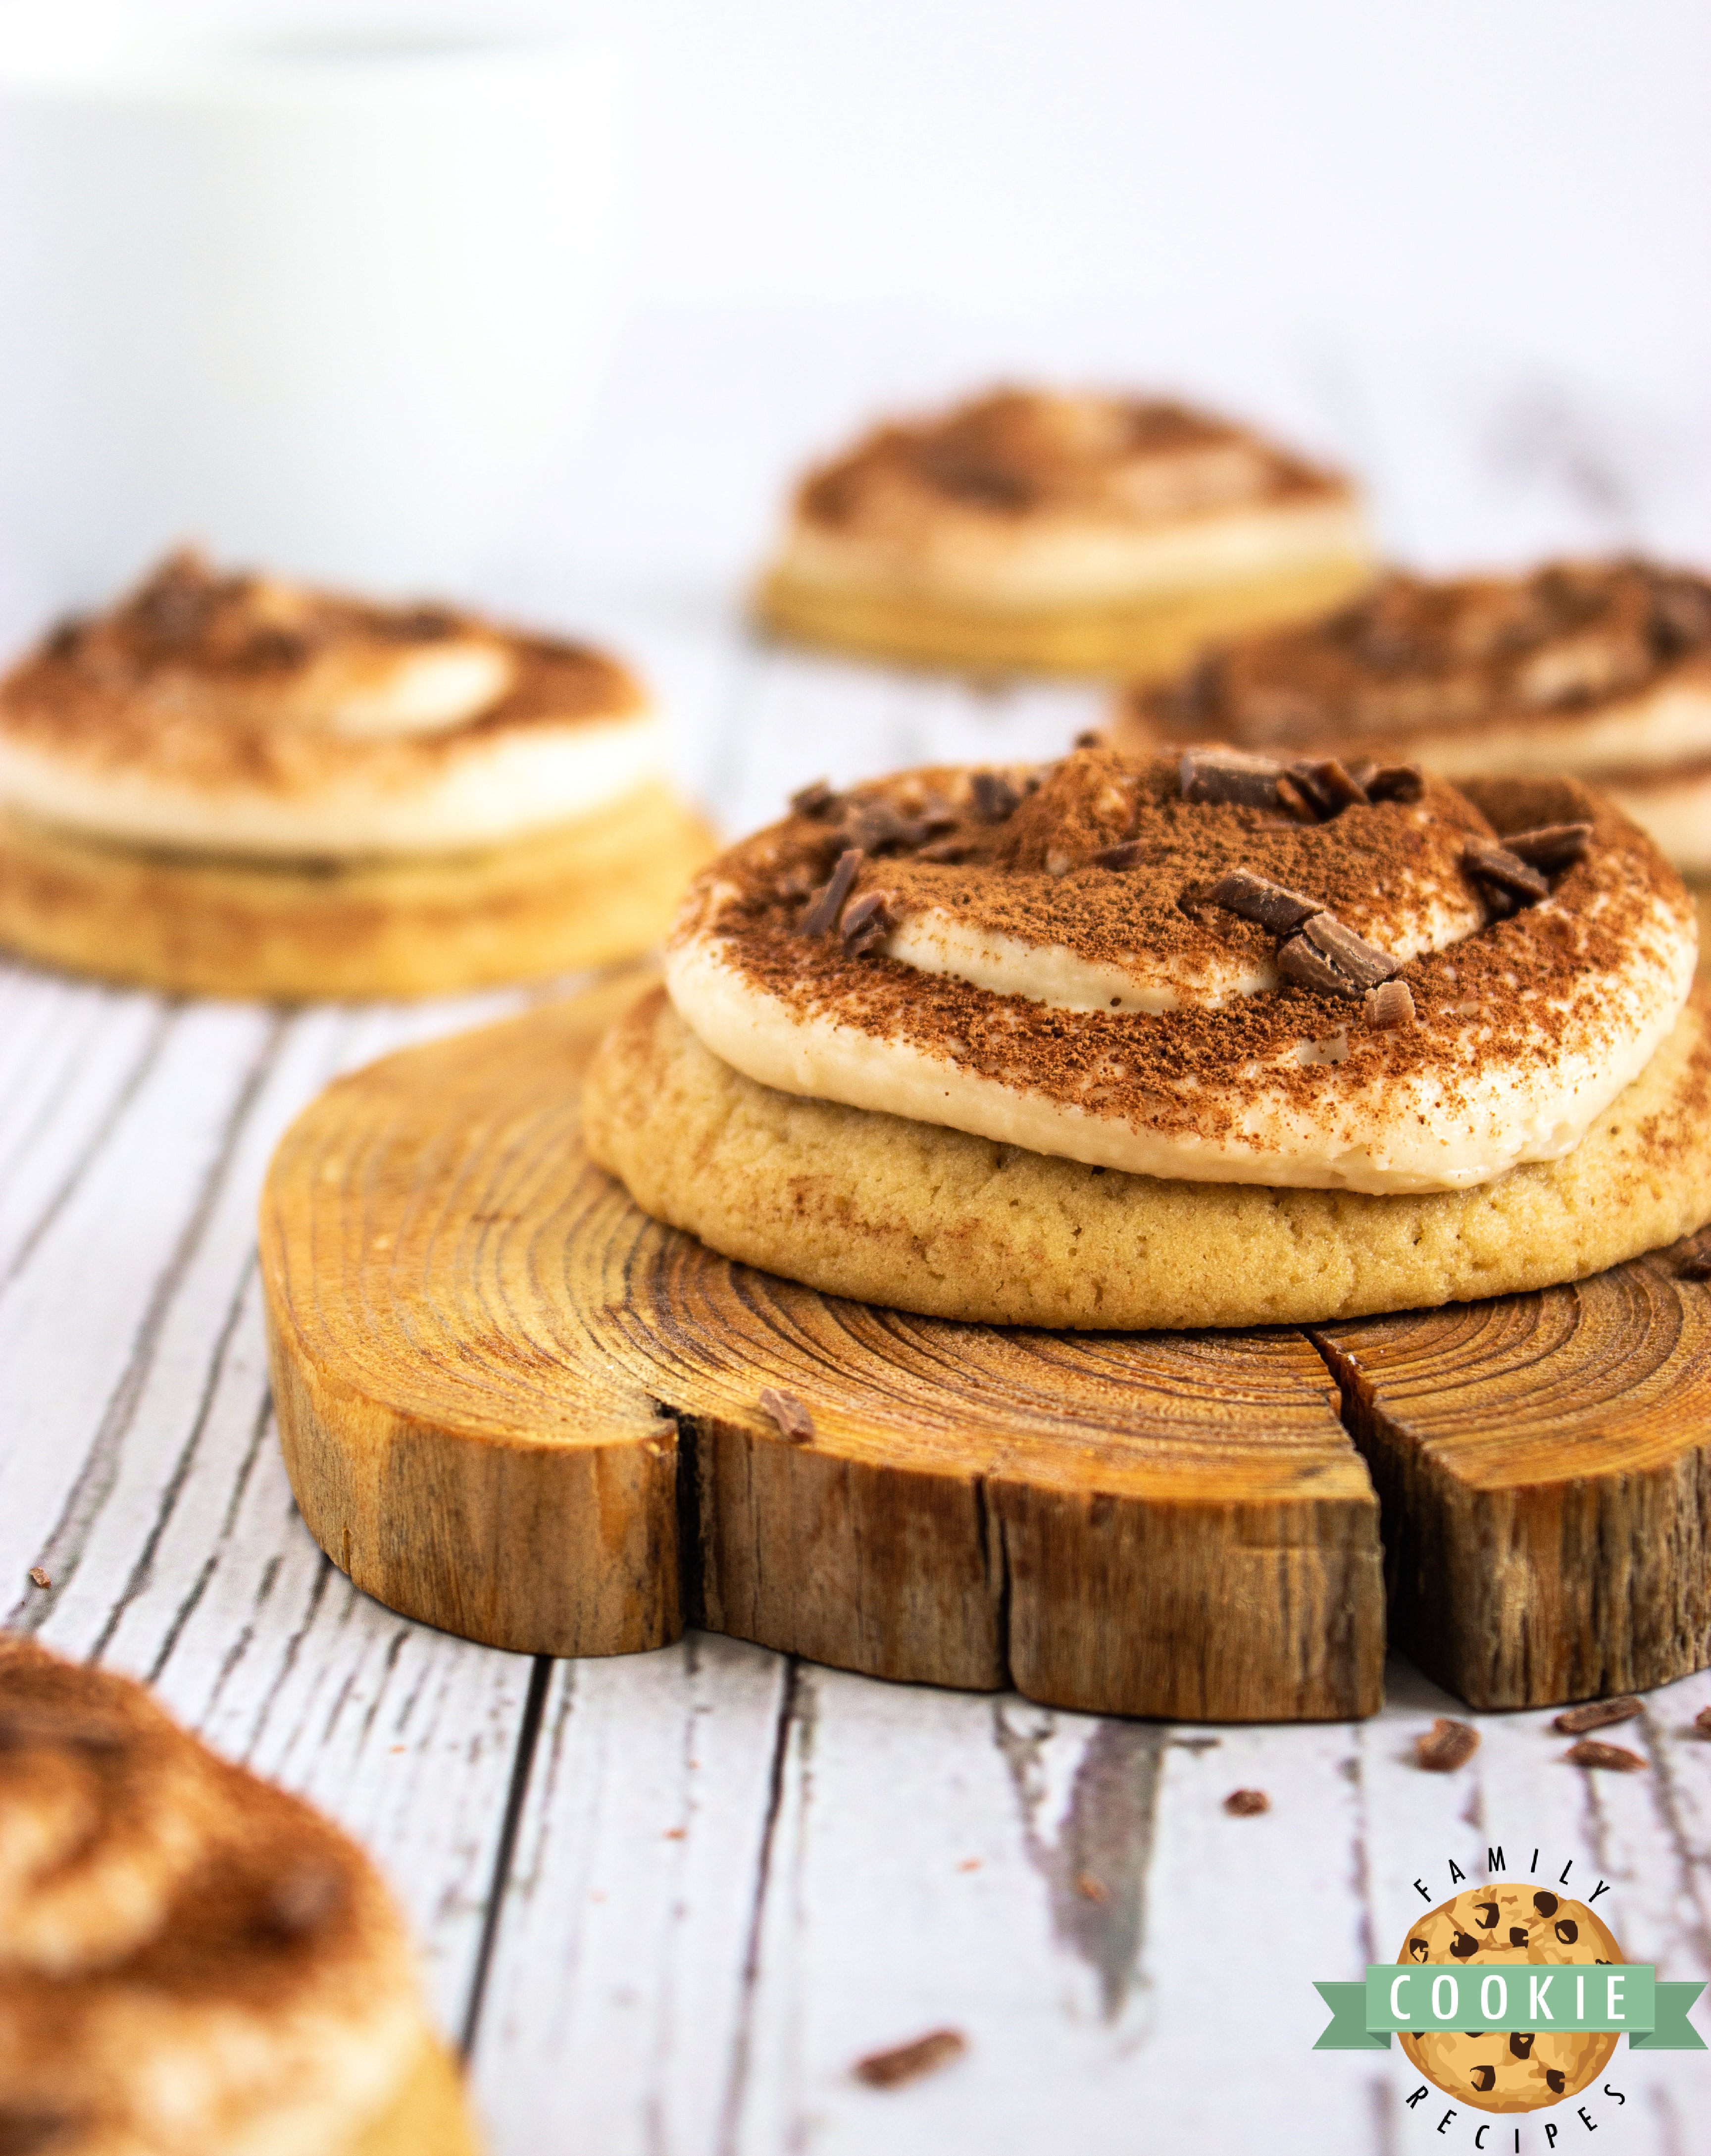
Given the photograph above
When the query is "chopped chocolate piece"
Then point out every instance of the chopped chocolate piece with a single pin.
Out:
(1298, 961)
(1589, 1752)
(1521, 2043)
(1489, 1913)
(875, 826)
(1396, 781)
(1547, 1905)
(1247, 1804)
(1504, 871)
(1518, 1935)
(39, 1576)
(1555, 2079)
(1418, 1950)
(1597, 1714)
(1483, 2078)
(866, 921)
(1279, 911)
(1693, 1258)
(300, 1900)
(993, 798)
(1130, 854)
(1328, 786)
(820, 915)
(907, 2062)
(1446, 1746)
(1567, 1931)
(790, 1414)
(1551, 847)
(1390, 1003)
(1228, 774)
(1360, 962)
(814, 799)
(944, 849)
(1464, 1946)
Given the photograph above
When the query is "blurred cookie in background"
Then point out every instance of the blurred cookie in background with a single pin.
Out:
(1033, 532)
(233, 785)
(1596, 670)
(190, 1959)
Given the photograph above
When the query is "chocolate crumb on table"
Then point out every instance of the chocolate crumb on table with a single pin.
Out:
(1589, 1752)
(908, 2062)
(1597, 1714)
(1446, 1746)
(790, 1414)
(38, 1576)
(1247, 1804)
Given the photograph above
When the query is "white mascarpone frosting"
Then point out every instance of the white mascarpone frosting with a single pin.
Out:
(1036, 957)
(1024, 499)
(248, 716)
(1599, 670)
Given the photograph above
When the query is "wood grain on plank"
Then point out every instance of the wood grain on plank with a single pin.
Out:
(1544, 1465)
(513, 1405)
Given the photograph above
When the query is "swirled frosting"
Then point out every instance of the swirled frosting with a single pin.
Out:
(1083, 959)
(244, 714)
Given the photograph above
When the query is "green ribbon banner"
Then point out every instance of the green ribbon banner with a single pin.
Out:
(1625, 1996)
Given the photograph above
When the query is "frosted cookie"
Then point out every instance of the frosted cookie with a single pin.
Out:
(190, 1961)
(1029, 532)
(1601, 671)
(1507, 1927)
(1132, 1042)
(232, 785)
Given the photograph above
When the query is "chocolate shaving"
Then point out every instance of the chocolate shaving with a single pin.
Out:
(1390, 1003)
(1446, 1746)
(1247, 1804)
(1589, 1752)
(1279, 911)
(300, 1900)
(1396, 781)
(866, 921)
(1598, 1714)
(1129, 854)
(908, 2062)
(1298, 961)
(1500, 870)
(1552, 847)
(820, 915)
(790, 1414)
(994, 799)
(1327, 786)
(944, 849)
(1227, 774)
(1353, 965)
(817, 799)
(875, 826)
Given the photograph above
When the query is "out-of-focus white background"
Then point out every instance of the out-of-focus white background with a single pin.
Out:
(1419, 236)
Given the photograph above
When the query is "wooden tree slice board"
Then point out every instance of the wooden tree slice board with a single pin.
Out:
(513, 1406)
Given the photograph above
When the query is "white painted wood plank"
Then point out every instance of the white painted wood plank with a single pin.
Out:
(617, 1999)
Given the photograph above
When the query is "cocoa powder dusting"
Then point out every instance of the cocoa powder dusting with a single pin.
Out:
(1509, 988)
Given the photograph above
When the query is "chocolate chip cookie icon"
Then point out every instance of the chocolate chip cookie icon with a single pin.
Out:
(1505, 1927)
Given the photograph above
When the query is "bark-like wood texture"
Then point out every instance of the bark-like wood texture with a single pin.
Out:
(1545, 1464)
(513, 1405)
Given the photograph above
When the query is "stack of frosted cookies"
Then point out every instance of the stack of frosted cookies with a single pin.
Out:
(1135, 1041)
(1599, 670)
(1028, 532)
(192, 1963)
(232, 785)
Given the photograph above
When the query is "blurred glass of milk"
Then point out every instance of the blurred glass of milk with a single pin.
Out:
(318, 297)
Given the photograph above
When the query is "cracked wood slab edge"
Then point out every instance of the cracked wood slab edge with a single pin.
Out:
(513, 1407)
